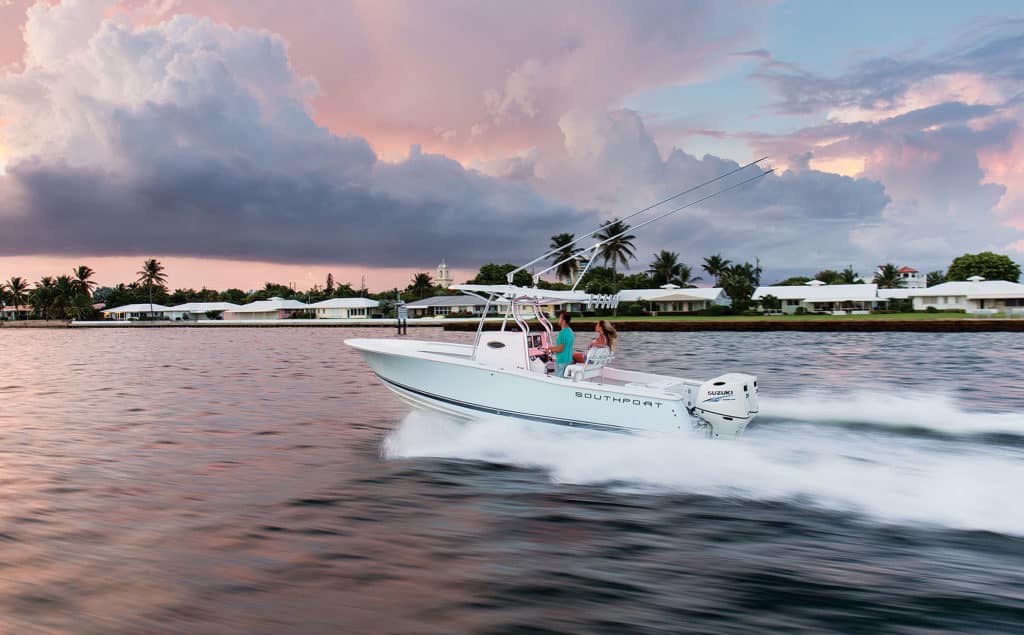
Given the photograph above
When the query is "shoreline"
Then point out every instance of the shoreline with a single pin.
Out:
(961, 325)
(827, 324)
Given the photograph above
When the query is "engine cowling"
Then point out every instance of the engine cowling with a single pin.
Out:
(727, 403)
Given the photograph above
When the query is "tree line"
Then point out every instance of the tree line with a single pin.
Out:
(75, 296)
(739, 280)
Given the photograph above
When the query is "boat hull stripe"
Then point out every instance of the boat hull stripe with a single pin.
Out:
(509, 413)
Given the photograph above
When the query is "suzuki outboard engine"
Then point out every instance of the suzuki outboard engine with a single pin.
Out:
(727, 404)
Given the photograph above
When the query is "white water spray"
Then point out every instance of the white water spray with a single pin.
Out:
(898, 478)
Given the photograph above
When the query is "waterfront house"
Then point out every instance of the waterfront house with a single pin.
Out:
(974, 295)
(345, 308)
(443, 305)
(21, 312)
(198, 310)
(272, 309)
(817, 297)
(671, 298)
(135, 312)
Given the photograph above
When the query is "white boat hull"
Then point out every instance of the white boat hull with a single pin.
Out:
(444, 378)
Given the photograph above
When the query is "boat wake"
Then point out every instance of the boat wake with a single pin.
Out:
(799, 455)
(929, 415)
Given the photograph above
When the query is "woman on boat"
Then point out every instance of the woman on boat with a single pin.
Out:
(606, 336)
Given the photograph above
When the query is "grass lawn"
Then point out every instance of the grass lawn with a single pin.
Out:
(785, 318)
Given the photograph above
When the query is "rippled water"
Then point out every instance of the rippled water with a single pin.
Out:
(261, 481)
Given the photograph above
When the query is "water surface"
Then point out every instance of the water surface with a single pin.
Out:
(261, 481)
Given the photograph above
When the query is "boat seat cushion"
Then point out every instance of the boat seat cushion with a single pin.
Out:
(597, 358)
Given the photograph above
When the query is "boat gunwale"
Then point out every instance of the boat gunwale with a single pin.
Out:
(663, 395)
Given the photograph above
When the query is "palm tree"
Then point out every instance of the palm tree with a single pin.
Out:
(747, 271)
(41, 298)
(664, 268)
(81, 281)
(849, 276)
(935, 277)
(616, 245)
(685, 276)
(421, 285)
(887, 276)
(152, 272)
(17, 290)
(63, 296)
(569, 266)
(716, 266)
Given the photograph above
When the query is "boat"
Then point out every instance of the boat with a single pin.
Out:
(506, 373)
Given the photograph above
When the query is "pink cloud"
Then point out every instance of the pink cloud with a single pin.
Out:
(1004, 164)
(213, 273)
(478, 79)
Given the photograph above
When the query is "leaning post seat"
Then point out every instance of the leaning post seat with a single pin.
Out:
(593, 366)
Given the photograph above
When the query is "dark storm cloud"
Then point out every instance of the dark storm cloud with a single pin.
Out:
(194, 139)
(217, 209)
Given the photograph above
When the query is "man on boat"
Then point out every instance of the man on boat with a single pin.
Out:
(563, 344)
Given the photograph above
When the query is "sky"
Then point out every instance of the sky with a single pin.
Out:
(241, 142)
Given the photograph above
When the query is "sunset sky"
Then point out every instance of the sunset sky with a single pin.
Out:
(254, 140)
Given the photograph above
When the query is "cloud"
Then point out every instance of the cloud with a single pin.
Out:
(942, 131)
(193, 138)
(610, 162)
(991, 50)
(479, 79)
(130, 131)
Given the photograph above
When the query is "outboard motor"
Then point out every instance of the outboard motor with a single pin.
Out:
(727, 403)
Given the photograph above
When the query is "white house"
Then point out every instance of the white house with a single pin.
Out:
(899, 293)
(135, 311)
(817, 297)
(197, 310)
(975, 294)
(671, 298)
(272, 309)
(21, 312)
(442, 305)
(344, 308)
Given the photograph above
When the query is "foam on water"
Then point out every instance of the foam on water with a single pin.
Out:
(929, 412)
(901, 479)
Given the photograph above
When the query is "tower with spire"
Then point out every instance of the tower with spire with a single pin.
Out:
(443, 277)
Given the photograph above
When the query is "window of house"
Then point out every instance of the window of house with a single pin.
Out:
(442, 310)
(792, 302)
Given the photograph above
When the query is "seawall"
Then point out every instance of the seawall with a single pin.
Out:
(966, 325)
(958, 325)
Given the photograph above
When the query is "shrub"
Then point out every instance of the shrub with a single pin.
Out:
(931, 309)
(632, 309)
(801, 310)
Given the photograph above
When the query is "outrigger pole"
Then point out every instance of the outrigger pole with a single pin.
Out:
(598, 244)
(512, 273)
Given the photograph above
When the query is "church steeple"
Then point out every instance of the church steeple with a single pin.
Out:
(443, 277)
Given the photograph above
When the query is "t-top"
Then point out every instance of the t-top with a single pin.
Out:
(566, 338)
